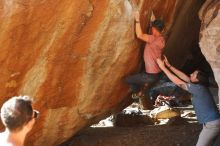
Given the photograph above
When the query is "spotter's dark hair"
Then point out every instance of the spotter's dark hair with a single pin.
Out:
(203, 78)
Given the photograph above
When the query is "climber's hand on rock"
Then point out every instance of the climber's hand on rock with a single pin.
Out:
(137, 16)
(152, 18)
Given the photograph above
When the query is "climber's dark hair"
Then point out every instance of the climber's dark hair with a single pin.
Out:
(158, 24)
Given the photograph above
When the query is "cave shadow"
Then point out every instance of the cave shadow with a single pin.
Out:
(197, 61)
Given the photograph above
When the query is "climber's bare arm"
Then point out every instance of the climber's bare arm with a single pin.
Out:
(138, 29)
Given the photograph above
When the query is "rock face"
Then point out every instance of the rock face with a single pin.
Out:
(183, 37)
(71, 57)
(210, 35)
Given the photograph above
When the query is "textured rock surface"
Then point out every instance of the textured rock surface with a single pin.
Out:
(71, 56)
(210, 35)
(183, 37)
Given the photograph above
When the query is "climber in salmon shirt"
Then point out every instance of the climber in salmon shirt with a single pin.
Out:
(141, 83)
(18, 117)
(203, 102)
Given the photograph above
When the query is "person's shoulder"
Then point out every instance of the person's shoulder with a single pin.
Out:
(190, 84)
(184, 86)
(1, 136)
(160, 40)
(196, 86)
(3, 141)
(159, 37)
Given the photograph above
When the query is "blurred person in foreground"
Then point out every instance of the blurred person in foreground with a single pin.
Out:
(18, 118)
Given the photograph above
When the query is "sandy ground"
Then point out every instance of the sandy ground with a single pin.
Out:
(184, 135)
